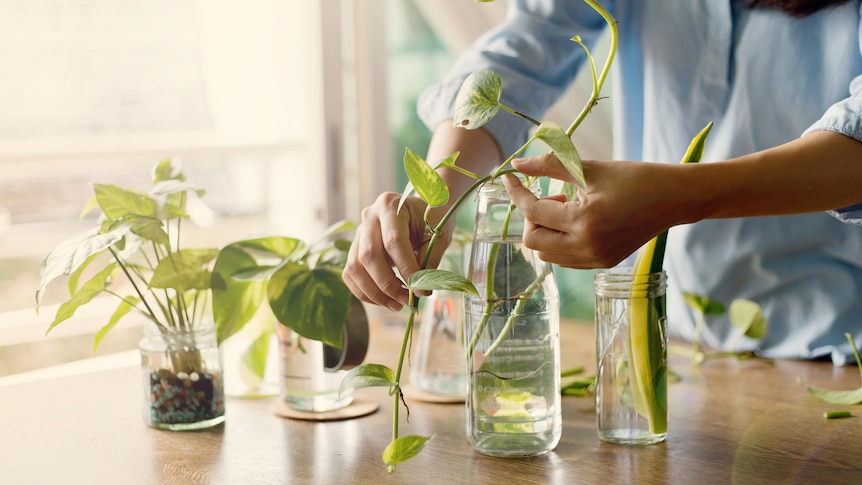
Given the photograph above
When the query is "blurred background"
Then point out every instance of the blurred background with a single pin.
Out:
(291, 114)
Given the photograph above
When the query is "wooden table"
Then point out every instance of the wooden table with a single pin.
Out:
(730, 422)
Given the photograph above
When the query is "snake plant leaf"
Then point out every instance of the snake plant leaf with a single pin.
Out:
(311, 302)
(185, 270)
(849, 397)
(88, 291)
(440, 279)
(747, 316)
(425, 180)
(126, 305)
(70, 254)
(703, 304)
(234, 301)
(403, 449)
(556, 138)
(478, 100)
(367, 375)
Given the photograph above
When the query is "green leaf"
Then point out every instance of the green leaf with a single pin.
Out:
(747, 316)
(167, 169)
(426, 181)
(169, 187)
(126, 305)
(449, 162)
(703, 304)
(91, 288)
(853, 396)
(478, 100)
(70, 254)
(185, 270)
(403, 449)
(117, 202)
(234, 301)
(311, 302)
(439, 279)
(149, 228)
(367, 375)
(253, 361)
(554, 136)
(280, 246)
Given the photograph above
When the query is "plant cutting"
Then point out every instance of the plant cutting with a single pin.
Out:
(745, 315)
(297, 283)
(135, 253)
(478, 101)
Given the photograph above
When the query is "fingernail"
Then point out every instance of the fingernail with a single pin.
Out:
(394, 306)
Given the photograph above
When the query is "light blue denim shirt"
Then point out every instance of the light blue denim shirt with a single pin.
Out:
(763, 78)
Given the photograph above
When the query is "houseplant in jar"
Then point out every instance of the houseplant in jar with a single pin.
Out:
(136, 254)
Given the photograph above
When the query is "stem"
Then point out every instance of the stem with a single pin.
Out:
(408, 330)
(519, 114)
(598, 84)
(519, 307)
(132, 281)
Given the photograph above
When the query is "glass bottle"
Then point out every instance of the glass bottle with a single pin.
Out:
(512, 336)
(631, 351)
(439, 364)
(182, 377)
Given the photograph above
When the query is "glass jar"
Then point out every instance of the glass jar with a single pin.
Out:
(512, 336)
(182, 377)
(438, 367)
(631, 350)
(311, 372)
(306, 383)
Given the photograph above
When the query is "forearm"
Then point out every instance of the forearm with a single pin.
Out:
(479, 153)
(818, 172)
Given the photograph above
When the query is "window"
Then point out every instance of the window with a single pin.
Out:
(100, 90)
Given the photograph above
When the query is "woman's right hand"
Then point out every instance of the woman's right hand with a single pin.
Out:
(388, 240)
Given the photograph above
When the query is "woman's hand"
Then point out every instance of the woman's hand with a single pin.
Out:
(388, 240)
(622, 209)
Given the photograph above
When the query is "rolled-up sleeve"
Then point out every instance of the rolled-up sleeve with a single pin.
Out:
(532, 52)
(845, 117)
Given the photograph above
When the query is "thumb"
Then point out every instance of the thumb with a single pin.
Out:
(546, 165)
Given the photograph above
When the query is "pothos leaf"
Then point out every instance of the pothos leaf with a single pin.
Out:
(554, 136)
(311, 302)
(403, 449)
(853, 396)
(703, 304)
(747, 316)
(439, 279)
(478, 100)
(426, 181)
(367, 375)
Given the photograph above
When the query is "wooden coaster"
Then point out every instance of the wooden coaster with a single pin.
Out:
(359, 407)
(414, 393)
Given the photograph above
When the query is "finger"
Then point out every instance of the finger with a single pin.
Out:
(361, 257)
(548, 212)
(399, 252)
(546, 165)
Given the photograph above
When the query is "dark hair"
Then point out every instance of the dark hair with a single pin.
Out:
(794, 8)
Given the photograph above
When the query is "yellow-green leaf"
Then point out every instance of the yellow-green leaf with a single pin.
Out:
(478, 100)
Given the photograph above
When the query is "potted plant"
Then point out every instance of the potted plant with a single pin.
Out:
(323, 329)
(135, 253)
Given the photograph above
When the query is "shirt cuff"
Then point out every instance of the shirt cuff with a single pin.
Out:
(844, 117)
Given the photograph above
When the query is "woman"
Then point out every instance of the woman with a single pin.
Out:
(771, 214)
